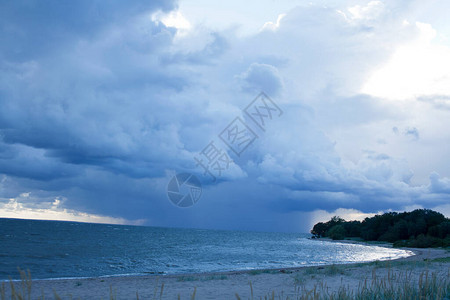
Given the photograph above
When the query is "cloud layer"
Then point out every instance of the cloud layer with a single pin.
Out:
(101, 106)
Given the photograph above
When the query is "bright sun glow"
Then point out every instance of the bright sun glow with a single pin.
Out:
(18, 209)
(417, 69)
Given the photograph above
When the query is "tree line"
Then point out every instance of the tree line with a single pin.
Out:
(420, 228)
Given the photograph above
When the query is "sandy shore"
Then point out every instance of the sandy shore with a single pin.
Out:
(225, 285)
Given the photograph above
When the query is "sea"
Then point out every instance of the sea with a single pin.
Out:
(59, 249)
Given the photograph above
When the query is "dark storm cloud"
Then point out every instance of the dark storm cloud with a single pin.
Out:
(32, 29)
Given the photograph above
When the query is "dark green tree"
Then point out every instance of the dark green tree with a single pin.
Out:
(337, 232)
(418, 228)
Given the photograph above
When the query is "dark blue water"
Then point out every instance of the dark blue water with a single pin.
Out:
(52, 249)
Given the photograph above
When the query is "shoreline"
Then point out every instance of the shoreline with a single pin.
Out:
(247, 283)
(418, 253)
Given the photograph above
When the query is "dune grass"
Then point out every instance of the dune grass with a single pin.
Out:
(394, 285)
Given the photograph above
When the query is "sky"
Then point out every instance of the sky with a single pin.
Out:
(102, 104)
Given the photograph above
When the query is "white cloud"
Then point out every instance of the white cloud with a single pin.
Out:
(261, 77)
(371, 11)
(273, 26)
(174, 19)
(245, 17)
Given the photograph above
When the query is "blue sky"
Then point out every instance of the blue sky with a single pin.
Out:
(102, 104)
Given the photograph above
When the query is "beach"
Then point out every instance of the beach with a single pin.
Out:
(286, 283)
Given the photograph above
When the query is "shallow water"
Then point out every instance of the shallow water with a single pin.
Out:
(52, 249)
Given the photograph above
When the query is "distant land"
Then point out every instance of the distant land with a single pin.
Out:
(420, 228)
